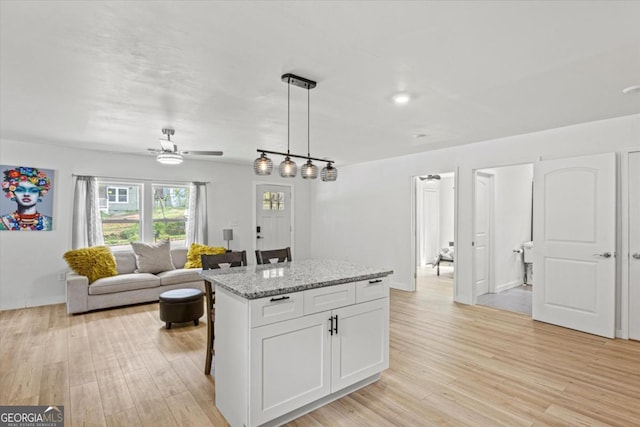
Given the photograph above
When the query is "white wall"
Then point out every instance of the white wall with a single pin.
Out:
(365, 215)
(31, 262)
(512, 222)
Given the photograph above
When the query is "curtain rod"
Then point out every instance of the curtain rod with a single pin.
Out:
(114, 178)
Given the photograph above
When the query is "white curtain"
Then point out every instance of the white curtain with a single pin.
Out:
(87, 225)
(197, 231)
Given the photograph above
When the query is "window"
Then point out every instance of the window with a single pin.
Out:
(117, 194)
(120, 213)
(170, 213)
(273, 201)
(143, 212)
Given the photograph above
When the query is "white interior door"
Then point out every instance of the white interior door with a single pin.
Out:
(483, 208)
(634, 245)
(574, 243)
(430, 224)
(273, 216)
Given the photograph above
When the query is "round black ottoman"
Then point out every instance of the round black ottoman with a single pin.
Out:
(181, 305)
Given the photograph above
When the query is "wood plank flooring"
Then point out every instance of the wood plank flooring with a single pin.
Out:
(451, 365)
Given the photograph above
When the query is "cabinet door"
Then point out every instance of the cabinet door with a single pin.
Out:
(360, 348)
(289, 366)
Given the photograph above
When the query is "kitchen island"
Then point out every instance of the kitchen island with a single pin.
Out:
(291, 337)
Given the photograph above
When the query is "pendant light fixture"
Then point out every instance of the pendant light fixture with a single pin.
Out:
(263, 165)
(309, 170)
(288, 167)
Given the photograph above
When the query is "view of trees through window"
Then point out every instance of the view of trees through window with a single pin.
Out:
(170, 212)
(122, 218)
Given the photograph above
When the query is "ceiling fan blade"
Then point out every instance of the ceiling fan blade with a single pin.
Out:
(203, 153)
(154, 150)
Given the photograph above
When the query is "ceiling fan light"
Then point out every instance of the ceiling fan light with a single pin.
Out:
(329, 173)
(288, 168)
(263, 165)
(309, 170)
(169, 158)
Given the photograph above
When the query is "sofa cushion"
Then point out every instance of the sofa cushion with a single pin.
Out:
(196, 249)
(180, 275)
(125, 261)
(124, 282)
(153, 258)
(95, 262)
(179, 257)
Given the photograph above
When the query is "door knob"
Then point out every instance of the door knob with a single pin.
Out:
(604, 255)
(636, 255)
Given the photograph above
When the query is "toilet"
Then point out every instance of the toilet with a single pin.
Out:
(528, 263)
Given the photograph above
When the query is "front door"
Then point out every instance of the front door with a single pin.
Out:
(634, 245)
(574, 243)
(273, 216)
(483, 209)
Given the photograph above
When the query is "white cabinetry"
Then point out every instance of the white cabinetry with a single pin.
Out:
(304, 350)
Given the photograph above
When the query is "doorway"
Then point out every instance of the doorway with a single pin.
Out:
(502, 232)
(631, 243)
(273, 213)
(434, 233)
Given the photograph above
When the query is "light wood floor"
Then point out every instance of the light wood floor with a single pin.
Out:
(450, 365)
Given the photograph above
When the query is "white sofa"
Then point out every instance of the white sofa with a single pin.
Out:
(129, 287)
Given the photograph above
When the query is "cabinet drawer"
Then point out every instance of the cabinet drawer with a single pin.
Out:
(329, 297)
(275, 309)
(367, 290)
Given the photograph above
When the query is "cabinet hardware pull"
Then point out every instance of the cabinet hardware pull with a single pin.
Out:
(331, 327)
(336, 329)
(375, 281)
(280, 298)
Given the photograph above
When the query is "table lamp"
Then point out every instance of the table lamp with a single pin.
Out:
(227, 235)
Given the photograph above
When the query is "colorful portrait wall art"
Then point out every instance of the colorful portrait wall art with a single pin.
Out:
(26, 202)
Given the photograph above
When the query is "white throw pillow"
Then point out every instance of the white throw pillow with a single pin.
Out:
(153, 258)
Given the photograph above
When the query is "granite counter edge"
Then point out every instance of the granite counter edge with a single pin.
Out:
(299, 288)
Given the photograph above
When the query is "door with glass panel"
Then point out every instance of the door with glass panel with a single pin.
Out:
(273, 216)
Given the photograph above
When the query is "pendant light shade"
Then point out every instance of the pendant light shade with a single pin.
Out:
(329, 173)
(288, 168)
(309, 170)
(263, 165)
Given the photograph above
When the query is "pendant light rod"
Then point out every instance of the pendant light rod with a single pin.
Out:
(308, 123)
(294, 155)
(288, 115)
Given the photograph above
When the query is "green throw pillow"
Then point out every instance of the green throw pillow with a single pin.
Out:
(196, 249)
(95, 262)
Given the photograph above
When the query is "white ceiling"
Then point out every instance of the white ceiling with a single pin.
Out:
(111, 75)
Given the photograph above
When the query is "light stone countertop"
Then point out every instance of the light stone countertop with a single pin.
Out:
(258, 281)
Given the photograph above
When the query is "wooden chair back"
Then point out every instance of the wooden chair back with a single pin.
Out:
(209, 262)
(282, 255)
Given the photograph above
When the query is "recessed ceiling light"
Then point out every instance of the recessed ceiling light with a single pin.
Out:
(401, 98)
(635, 89)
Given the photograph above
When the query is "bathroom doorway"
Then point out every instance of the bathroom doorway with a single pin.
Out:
(502, 233)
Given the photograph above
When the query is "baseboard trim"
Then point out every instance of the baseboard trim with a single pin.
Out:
(509, 285)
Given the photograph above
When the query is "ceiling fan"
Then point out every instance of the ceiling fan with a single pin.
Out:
(168, 153)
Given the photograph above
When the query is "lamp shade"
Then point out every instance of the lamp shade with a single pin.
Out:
(263, 165)
(288, 168)
(309, 170)
(227, 234)
(329, 173)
